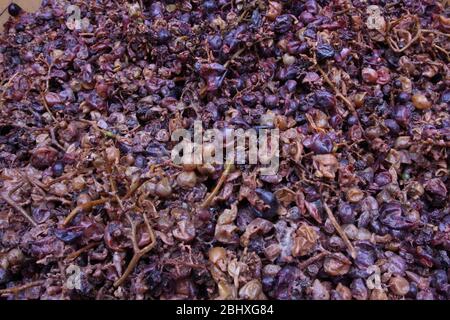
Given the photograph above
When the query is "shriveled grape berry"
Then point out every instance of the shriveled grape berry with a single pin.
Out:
(14, 9)
(324, 51)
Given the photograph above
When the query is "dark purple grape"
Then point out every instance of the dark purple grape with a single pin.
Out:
(5, 276)
(257, 245)
(271, 101)
(425, 294)
(40, 215)
(321, 144)
(391, 216)
(14, 9)
(445, 98)
(209, 5)
(365, 257)
(352, 120)
(413, 288)
(19, 28)
(392, 59)
(256, 18)
(306, 17)
(288, 73)
(436, 187)
(244, 217)
(143, 115)
(249, 99)
(201, 276)
(440, 280)
(311, 6)
(164, 36)
(364, 219)
(336, 121)
(156, 9)
(325, 99)
(140, 161)
(58, 169)
(383, 178)
(286, 276)
(346, 213)
(156, 150)
(402, 115)
(403, 97)
(267, 283)
(296, 47)
(392, 126)
(359, 289)
(167, 283)
(269, 199)
(67, 235)
(215, 42)
(324, 51)
(283, 23)
(154, 278)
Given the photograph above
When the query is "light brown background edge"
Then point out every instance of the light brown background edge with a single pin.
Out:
(28, 5)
